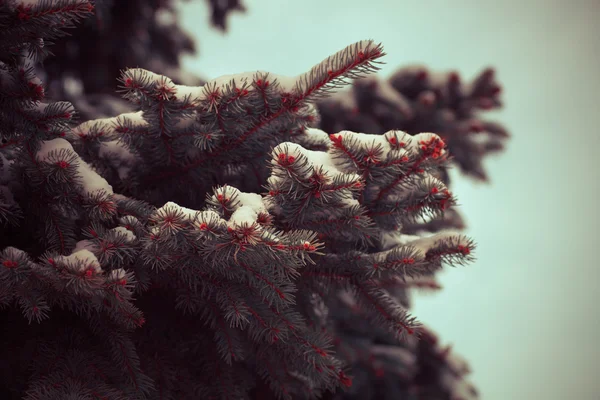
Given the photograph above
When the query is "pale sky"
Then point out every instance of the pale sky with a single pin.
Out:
(525, 315)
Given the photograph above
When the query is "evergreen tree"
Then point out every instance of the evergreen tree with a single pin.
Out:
(214, 242)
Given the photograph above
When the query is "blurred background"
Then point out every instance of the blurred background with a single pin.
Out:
(525, 315)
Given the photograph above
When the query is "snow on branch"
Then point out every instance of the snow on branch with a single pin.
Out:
(249, 207)
(230, 116)
(446, 246)
(307, 190)
(353, 61)
(90, 181)
(392, 175)
(80, 261)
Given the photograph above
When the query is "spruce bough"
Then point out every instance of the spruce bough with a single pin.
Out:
(195, 248)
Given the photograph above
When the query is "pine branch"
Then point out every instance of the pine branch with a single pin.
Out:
(351, 62)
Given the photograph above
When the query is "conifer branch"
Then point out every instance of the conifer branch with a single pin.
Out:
(351, 62)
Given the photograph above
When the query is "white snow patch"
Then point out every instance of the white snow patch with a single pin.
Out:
(315, 158)
(367, 140)
(136, 118)
(116, 275)
(108, 124)
(85, 258)
(318, 160)
(274, 181)
(252, 200)
(54, 144)
(286, 83)
(242, 216)
(314, 137)
(129, 236)
(188, 213)
(250, 205)
(410, 142)
(391, 239)
(194, 92)
(208, 217)
(91, 181)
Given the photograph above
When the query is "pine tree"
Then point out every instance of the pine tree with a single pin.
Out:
(211, 243)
